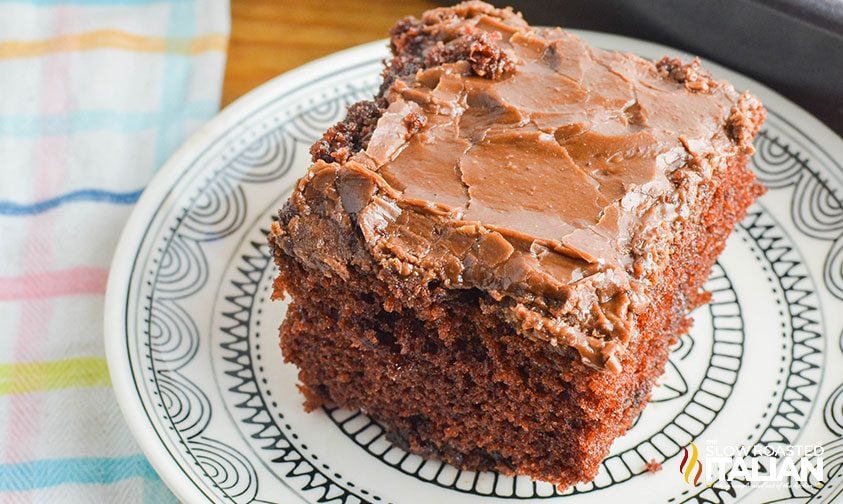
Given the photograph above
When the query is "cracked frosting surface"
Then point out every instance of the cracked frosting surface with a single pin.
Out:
(551, 182)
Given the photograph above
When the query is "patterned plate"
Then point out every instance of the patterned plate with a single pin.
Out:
(192, 336)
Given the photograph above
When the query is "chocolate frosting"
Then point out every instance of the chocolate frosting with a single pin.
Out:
(553, 182)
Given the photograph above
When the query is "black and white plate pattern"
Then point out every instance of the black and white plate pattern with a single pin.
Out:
(192, 337)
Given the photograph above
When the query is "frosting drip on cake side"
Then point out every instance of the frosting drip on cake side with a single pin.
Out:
(537, 169)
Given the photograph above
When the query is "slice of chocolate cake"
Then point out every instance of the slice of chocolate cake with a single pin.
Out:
(492, 256)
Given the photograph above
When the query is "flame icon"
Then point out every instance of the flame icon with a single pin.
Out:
(686, 467)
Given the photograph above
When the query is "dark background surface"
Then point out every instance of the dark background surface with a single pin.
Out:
(792, 46)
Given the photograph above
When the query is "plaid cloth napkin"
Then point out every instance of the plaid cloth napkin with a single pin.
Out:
(94, 97)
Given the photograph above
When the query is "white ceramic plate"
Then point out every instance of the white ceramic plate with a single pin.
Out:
(192, 340)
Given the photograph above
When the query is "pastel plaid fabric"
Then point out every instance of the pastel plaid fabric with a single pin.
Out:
(94, 97)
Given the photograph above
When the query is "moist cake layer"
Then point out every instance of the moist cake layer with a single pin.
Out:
(522, 162)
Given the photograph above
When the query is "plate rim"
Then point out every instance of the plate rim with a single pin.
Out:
(163, 182)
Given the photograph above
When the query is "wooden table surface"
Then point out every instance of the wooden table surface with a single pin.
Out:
(269, 37)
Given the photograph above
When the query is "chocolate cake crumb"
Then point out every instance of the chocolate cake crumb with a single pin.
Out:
(407, 36)
(348, 136)
(408, 42)
(414, 123)
(479, 49)
(468, 10)
(411, 39)
(653, 466)
(745, 120)
(691, 74)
